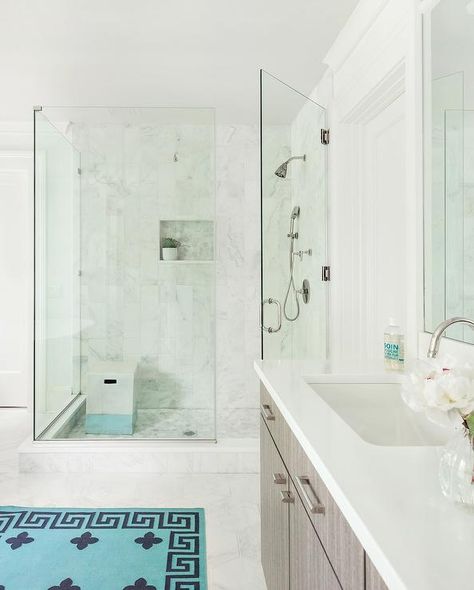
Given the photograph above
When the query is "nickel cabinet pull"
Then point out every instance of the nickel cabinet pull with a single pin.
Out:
(266, 412)
(279, 478)
(304, 485)
(287, 497)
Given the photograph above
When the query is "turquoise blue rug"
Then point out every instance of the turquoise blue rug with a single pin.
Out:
(82, 549)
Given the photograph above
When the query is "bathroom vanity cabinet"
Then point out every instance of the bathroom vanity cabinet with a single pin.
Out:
(307, 543)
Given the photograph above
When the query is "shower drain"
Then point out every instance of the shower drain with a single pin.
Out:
(189, 433)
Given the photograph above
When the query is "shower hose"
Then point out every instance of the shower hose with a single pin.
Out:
(291, 286)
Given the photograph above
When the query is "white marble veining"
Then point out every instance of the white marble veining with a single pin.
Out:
(167, 423)
(231, 503)
(305, 187)
(308, 190)
(238, 280)
(136, 179)
(389, 495)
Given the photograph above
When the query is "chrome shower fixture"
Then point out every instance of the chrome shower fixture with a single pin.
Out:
(295, 212)
(283, 168)
(294, 215)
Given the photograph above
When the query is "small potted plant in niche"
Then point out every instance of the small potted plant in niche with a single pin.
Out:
(169, 248)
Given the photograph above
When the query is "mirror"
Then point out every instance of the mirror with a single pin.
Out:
(448, 39)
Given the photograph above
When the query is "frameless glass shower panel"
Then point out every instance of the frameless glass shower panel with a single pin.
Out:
(147, 219)
(294, 223)
(57, 255)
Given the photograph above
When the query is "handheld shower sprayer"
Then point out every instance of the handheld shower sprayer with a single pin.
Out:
(291, 285)
(294, 215)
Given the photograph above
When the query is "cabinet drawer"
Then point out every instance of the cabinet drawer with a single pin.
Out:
(273, 419)
(340, 543)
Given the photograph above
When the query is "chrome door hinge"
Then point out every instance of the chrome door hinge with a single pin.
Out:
(326, 273)
(325, 136)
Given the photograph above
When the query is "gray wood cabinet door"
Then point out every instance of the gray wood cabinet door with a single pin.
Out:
(373, 578)
(309, 566)
(274, 514)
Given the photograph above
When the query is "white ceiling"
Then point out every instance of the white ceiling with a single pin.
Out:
(156, 53)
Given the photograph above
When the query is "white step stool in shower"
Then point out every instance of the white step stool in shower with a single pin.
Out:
(110, 403)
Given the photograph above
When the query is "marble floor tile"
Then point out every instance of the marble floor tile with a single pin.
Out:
(169, 423)
(231, 503)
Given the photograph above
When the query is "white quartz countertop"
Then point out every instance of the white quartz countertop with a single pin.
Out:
(390, 496)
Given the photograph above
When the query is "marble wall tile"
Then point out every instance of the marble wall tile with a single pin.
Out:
(168, 317)
(196, 238)
(238, 279)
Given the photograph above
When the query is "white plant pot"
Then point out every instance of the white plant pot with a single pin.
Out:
(170, 253)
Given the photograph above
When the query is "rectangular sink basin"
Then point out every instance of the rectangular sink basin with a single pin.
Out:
(377, 413)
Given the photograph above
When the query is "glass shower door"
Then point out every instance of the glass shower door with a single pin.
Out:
(57, 276)
(295, 272)
(136, 337)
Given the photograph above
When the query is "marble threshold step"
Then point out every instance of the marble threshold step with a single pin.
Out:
(225, 456)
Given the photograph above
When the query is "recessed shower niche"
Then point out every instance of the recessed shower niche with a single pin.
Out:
(195, 237)
(124, 342)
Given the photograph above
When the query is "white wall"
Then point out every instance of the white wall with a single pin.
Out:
(371, 91)
(16, 264)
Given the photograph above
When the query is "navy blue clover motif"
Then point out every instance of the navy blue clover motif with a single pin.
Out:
(2, 587)
(140, 584)
(84, 541)
(19, 540)
(148, 540)
(66, 584)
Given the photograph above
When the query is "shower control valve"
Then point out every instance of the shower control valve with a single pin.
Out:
(305, 291)
(301, 253)
(293, 235)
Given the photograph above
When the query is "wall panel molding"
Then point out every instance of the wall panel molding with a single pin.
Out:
(371, 66)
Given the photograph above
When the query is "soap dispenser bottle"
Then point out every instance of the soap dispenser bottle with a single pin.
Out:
(394, 346)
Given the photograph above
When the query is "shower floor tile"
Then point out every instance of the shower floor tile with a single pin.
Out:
(154, 424)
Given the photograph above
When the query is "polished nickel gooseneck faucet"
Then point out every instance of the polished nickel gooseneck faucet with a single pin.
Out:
(440, 330)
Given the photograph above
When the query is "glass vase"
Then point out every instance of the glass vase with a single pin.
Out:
(456, 468)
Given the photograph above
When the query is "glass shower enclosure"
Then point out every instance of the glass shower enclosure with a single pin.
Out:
(124, 273)
(295, 270)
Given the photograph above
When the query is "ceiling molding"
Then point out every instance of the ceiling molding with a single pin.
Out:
(16, 127)
(380, 96)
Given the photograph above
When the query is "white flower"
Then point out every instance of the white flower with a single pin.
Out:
(444, 390)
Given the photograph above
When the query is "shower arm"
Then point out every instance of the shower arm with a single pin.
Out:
(296, 158)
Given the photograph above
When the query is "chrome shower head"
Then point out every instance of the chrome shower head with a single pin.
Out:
(282, 170)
